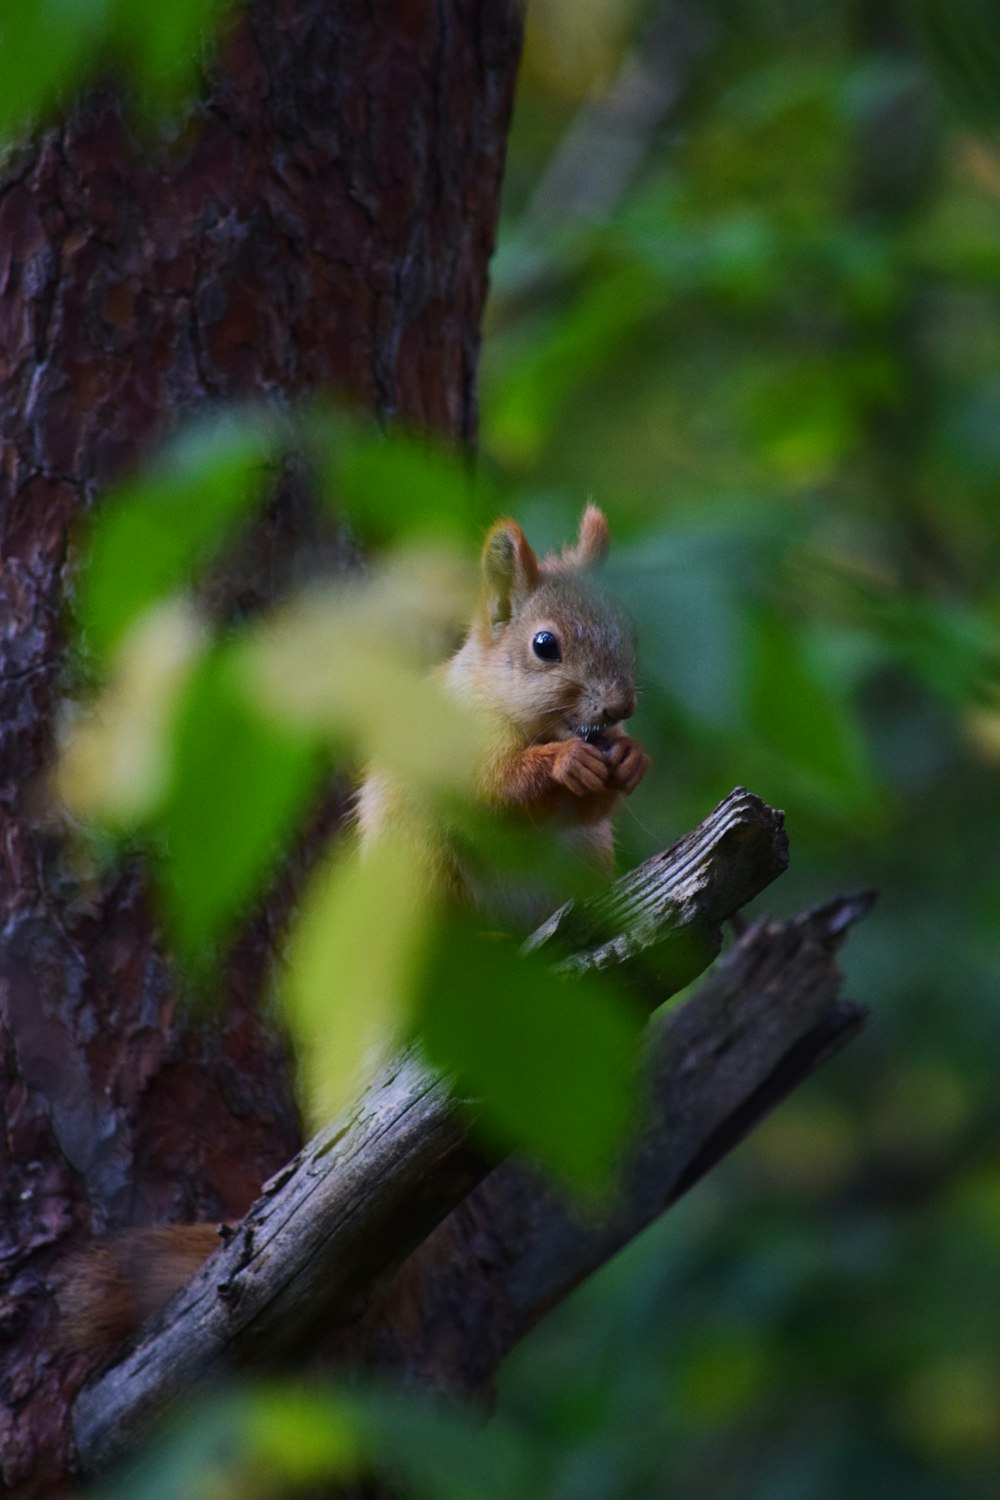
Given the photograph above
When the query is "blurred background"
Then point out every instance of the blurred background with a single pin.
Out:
(747, 295)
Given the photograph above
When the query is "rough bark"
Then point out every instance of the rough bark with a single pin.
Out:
(322, 220)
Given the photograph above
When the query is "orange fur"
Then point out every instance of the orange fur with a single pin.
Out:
(113, 1285)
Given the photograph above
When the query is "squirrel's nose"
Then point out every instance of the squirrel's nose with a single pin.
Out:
(617, 707)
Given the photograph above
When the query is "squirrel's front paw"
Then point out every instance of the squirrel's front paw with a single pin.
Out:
(580, 768)
(629, 763)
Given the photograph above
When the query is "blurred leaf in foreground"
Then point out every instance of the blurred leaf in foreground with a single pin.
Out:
(270, 1440)
(240, 782)
(162, 45)
(115, 759)
(552, 1060)
(354, 963)
(46, 46)
(433, 1451)
(352, 664)
(50, 49)
(257, 1443)
(399, 485)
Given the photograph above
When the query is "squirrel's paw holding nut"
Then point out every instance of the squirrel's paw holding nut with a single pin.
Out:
(629, 763)
(580, 768)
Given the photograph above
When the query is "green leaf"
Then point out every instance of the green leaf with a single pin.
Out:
(797, 716)
(354, 961)
(157, 528)
(253, 1442)
(551, 1060)
(264, 1440)
(300, 1436)
(238, 786)
(45, 45)
(436, 1452)
(49, 48)
(395, 485)
(162, 42)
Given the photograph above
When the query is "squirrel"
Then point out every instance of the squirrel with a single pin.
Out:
(549, 664)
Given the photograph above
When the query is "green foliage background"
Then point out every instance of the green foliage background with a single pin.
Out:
(773, 351)
(746, 296)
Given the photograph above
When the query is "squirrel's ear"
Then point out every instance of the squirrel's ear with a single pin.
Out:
(592, 546)
(510, 569)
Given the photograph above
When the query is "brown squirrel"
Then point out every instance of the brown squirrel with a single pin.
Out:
(550, 664)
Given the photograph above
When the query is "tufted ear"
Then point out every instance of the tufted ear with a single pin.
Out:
(510, 569)
(592, 546)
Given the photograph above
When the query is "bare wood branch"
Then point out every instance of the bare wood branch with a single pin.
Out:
(664, 918)
(344, 1215)
(760, 1023)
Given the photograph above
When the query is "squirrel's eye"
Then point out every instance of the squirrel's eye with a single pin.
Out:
(545, 645)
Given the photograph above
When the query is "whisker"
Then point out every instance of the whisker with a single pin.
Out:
(555, 717)
(626, 807)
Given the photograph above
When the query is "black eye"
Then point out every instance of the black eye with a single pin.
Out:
(545, 645)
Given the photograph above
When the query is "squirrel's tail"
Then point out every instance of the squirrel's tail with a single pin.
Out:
(109, 1288)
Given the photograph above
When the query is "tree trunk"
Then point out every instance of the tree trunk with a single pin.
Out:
(323, 220)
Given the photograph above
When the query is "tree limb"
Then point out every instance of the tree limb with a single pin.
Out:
(331, 1228)
(763, 1020)
(663, 920)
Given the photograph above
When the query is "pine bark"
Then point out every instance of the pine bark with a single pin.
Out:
(321, 220)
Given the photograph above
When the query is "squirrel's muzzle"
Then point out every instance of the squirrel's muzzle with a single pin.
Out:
(611, 708)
